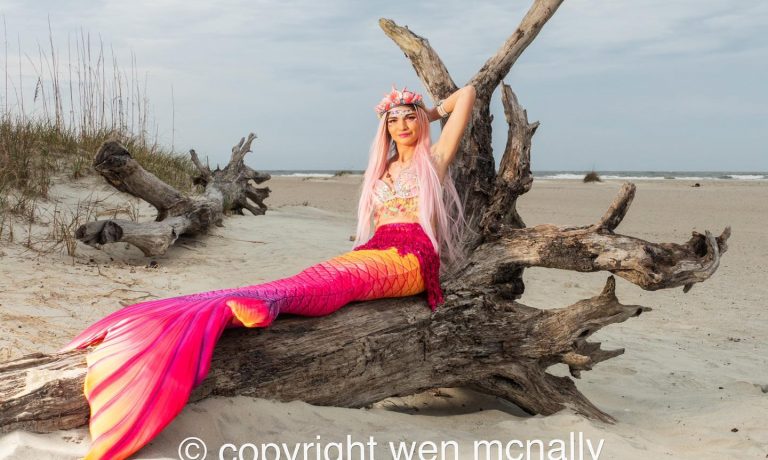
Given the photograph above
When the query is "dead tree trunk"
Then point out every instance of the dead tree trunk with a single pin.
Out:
(391, 347)
(226, 190)
(481, 337)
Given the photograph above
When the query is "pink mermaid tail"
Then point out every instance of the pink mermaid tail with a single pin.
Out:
(149, 356)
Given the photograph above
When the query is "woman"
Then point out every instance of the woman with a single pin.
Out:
(148, 357)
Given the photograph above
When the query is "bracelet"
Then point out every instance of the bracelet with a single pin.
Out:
(440, 110)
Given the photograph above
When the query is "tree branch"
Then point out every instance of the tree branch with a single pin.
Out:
(205, 171)
(240, 150)
(497, 67)
(514, 177)
(427, 64)
(592, 248)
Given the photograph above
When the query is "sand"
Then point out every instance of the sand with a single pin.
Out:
(691, 385)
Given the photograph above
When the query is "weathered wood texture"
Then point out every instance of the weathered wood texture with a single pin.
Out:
(480, 337)
(491, 344)
(226, 190)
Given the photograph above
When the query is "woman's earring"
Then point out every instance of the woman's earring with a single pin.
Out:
(392, 150)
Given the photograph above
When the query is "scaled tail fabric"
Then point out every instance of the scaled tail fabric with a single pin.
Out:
(147, 357)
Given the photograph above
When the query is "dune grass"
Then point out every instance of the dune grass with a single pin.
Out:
(53, 132)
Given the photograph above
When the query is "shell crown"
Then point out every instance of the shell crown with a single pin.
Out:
(395, 98)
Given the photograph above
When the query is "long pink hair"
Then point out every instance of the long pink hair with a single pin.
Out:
(436, 200)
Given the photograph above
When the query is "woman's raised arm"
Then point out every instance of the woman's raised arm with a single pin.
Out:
(458, 107)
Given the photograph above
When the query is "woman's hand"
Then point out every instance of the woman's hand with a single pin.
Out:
(433, 115)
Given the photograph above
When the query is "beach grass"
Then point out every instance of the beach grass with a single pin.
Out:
(76, 104)
(51, 133)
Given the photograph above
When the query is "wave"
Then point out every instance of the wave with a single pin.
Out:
(571, 175)
(652, 175)
(745, 176)
(304, 175)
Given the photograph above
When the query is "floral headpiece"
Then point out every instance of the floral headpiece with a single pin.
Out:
(395, 98)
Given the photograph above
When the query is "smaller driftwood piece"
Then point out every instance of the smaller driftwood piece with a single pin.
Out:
(227, 190)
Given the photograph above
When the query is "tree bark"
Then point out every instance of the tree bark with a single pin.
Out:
(227, 190)
(499, 346)
(514, 177)
(479, 337)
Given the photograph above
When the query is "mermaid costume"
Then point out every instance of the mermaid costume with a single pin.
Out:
(147, 358)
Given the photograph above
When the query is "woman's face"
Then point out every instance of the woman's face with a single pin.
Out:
(403, 126)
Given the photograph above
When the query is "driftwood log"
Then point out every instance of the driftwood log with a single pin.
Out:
(226, 190)
(482, 337)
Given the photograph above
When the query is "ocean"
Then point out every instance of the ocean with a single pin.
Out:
(577, 175)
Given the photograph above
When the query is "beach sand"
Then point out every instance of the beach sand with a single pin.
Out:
(691, 385)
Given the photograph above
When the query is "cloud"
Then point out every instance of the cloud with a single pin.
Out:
(297, 71)
(609, 36)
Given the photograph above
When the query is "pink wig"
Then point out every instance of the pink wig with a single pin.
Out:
(440, 211)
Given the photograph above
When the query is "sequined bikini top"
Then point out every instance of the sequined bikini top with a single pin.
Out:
(400, 202)
(406, 185)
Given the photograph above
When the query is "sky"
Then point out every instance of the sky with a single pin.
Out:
(642, 85)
